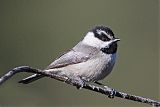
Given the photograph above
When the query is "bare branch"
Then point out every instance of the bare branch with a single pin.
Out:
(105, 90)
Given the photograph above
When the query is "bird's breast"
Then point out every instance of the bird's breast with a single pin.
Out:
(94, 69)
(107, 67)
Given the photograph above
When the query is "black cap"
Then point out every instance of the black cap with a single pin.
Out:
(102, 36)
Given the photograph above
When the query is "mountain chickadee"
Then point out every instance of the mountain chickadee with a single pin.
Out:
(92, 59)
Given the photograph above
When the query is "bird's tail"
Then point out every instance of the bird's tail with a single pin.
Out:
(31, 79)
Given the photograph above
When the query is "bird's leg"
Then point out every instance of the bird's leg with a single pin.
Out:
(77, 81)
(112, 91)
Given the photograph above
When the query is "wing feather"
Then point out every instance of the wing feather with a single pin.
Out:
(69, 58)
(80, 53)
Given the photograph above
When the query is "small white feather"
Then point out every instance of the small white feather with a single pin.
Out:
(91, 40)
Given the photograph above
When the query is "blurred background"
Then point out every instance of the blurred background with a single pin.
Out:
(35, 32)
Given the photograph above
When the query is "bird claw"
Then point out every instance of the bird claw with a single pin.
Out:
(112, 92)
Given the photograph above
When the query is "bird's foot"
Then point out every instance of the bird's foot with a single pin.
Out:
(112, 92)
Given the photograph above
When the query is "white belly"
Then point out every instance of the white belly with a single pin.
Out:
(92, 70)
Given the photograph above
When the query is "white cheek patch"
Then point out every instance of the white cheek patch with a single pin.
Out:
(91, 40)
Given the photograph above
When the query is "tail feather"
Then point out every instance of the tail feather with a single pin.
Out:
(31, 79)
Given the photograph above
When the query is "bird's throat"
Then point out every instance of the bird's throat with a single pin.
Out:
(111, 49)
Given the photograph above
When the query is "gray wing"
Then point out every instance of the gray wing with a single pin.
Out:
(80, 53)
(71, 57)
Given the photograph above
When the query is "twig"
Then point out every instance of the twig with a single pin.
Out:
(101, 90)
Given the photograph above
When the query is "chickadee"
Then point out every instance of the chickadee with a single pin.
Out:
(91, 60)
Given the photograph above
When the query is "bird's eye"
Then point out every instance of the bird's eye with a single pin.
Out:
(104, 37)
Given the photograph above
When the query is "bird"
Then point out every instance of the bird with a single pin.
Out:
(91, 60)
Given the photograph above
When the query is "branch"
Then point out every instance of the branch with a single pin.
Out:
(105, 90)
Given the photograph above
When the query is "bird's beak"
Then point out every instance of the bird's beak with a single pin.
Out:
(113, 41)
(116, 40)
